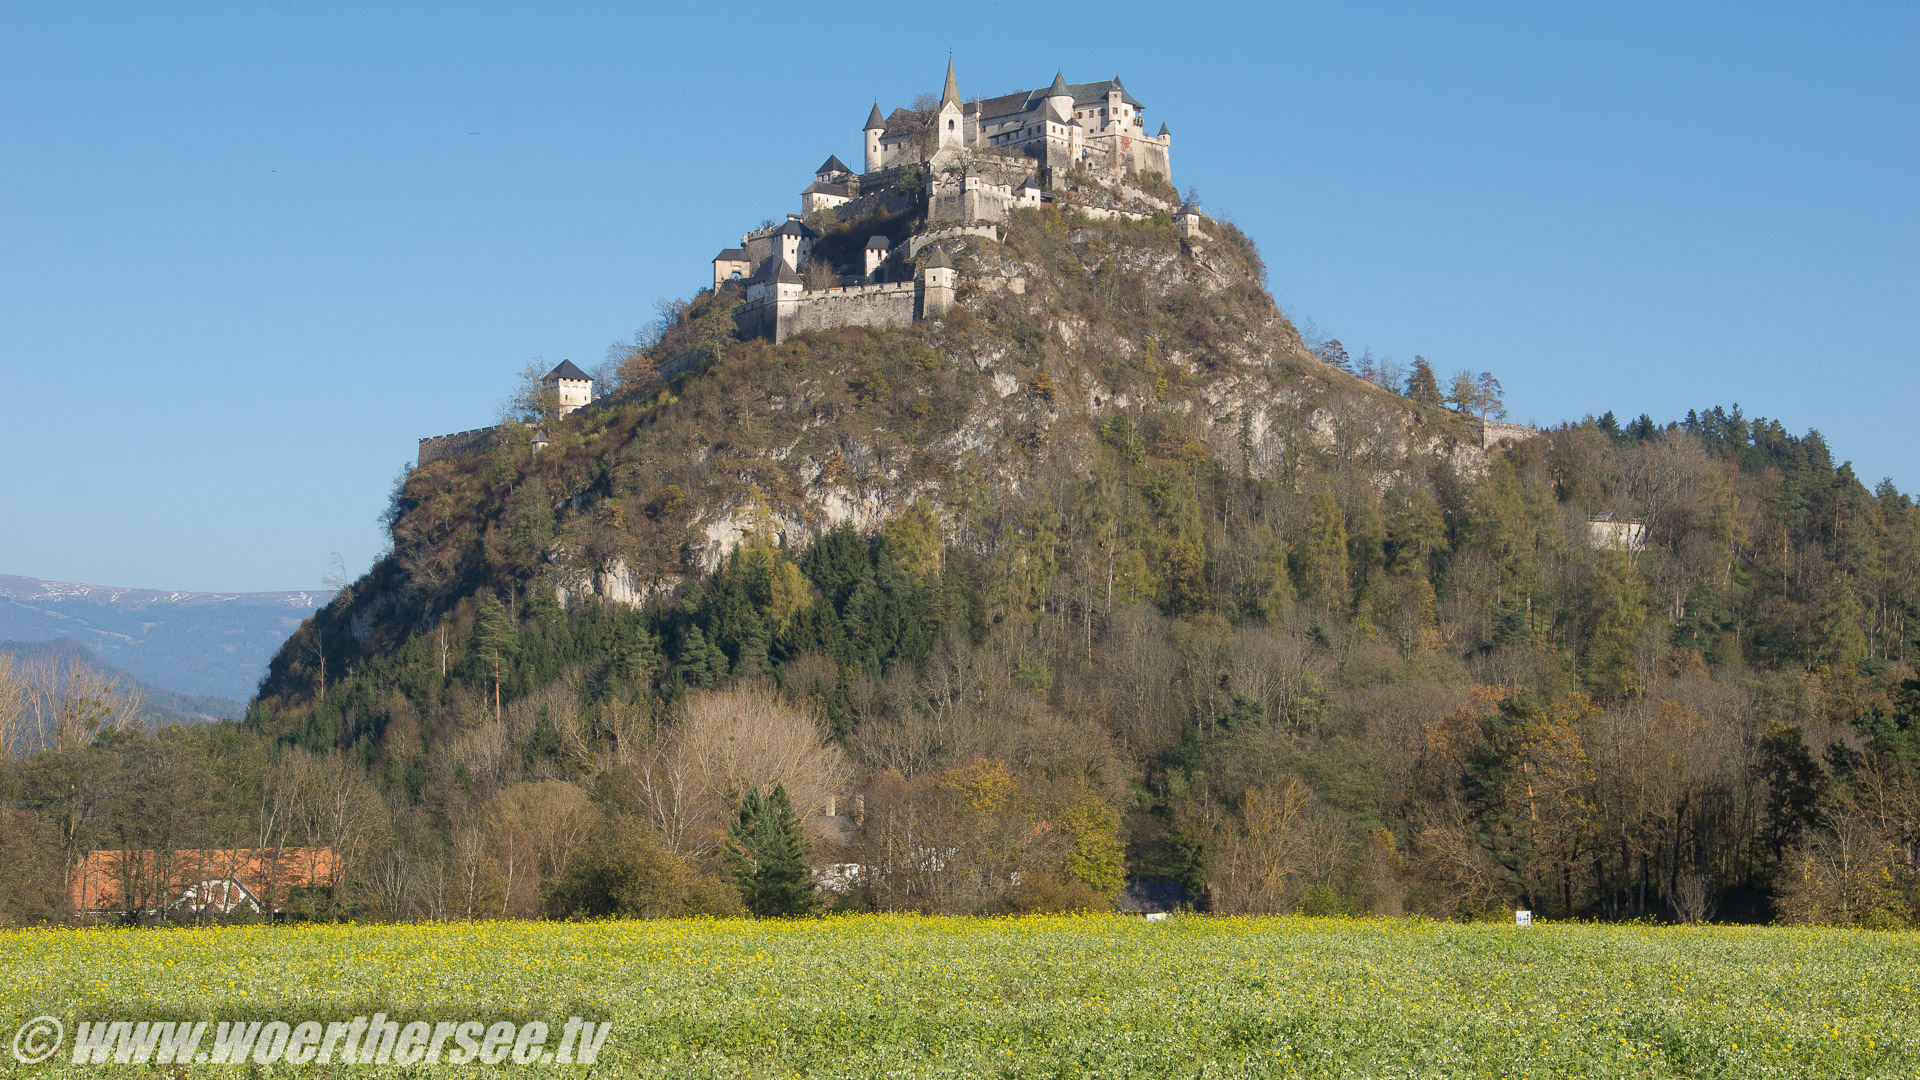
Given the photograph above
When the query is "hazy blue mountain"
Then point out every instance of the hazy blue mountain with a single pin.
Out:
(197, 644)
(47, 664)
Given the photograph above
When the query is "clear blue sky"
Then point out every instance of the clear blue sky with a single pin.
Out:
(249, 253)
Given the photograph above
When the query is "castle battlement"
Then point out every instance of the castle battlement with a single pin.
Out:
(458, 444)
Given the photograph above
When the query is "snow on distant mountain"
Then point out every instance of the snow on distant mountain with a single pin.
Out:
(194, 643)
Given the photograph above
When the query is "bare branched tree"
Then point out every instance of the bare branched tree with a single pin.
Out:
(16, 699)
(70, 714)
(727, 743)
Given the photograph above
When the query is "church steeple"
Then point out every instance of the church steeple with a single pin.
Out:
(950, 118)
(952, 92)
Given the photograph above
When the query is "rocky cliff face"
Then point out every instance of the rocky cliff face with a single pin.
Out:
(1071, 328)
(1068, 332)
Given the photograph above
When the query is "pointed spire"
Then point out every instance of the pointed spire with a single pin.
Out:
(875, 122)
(1059, 87)
(1163, 131)
(952, 92)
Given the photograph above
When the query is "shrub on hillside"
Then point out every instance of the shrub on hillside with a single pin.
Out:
(623, 872)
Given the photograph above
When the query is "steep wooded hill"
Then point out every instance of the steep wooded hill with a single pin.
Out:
(1102, 575)
(1070, 333)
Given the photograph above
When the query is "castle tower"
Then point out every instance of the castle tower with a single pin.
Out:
(1187, 220)
(951, 117)
(573, 387)
(793, 242)
(876, 253)
(1059, 98)
(936, 284)
(1116, 106)
(1064, 134)
(875, 125)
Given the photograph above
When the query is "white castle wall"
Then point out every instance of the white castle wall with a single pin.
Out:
(890, 304)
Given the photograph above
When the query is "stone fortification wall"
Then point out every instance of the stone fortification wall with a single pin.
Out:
(458, 444)
(1130, 153)
(758, 318)
(1101, 213)
(954, 203)
(879, 199)
(891, 304)
(759, 249)
(863, 305)
(1492, 433)
(921, 240)
(976, 185)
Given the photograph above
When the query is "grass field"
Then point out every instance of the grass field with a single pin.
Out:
(1037, 997)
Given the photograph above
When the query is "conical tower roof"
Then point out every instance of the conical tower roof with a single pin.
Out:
(1059, 87)
(875, 122)
(952, 91)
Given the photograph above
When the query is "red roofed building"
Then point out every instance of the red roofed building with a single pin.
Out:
(206, 881)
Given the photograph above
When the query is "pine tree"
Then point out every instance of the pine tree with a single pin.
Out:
(1333, 353)
(1497, 790)
(1321, 558)
(702, 663)
(492, 639)
(1422, 386)
(1616, 607)
(765, 857)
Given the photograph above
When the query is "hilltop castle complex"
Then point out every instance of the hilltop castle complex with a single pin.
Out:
(935, 177)
(956, 170)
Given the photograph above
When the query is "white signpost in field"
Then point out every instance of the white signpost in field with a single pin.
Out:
(1523, 918)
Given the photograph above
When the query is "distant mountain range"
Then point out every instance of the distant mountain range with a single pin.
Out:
(47, 663)
(194, 644)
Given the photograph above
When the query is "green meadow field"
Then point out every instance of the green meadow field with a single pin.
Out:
(1032, 997)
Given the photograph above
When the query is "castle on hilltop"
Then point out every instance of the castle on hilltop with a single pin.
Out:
(878, 247)
(958, 170)
(1063, 126)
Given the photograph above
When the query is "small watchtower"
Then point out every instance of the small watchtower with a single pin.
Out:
(1187, 220)
(936, 284)
(572, 387)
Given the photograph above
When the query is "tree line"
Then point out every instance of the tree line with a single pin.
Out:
(1445, 697)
